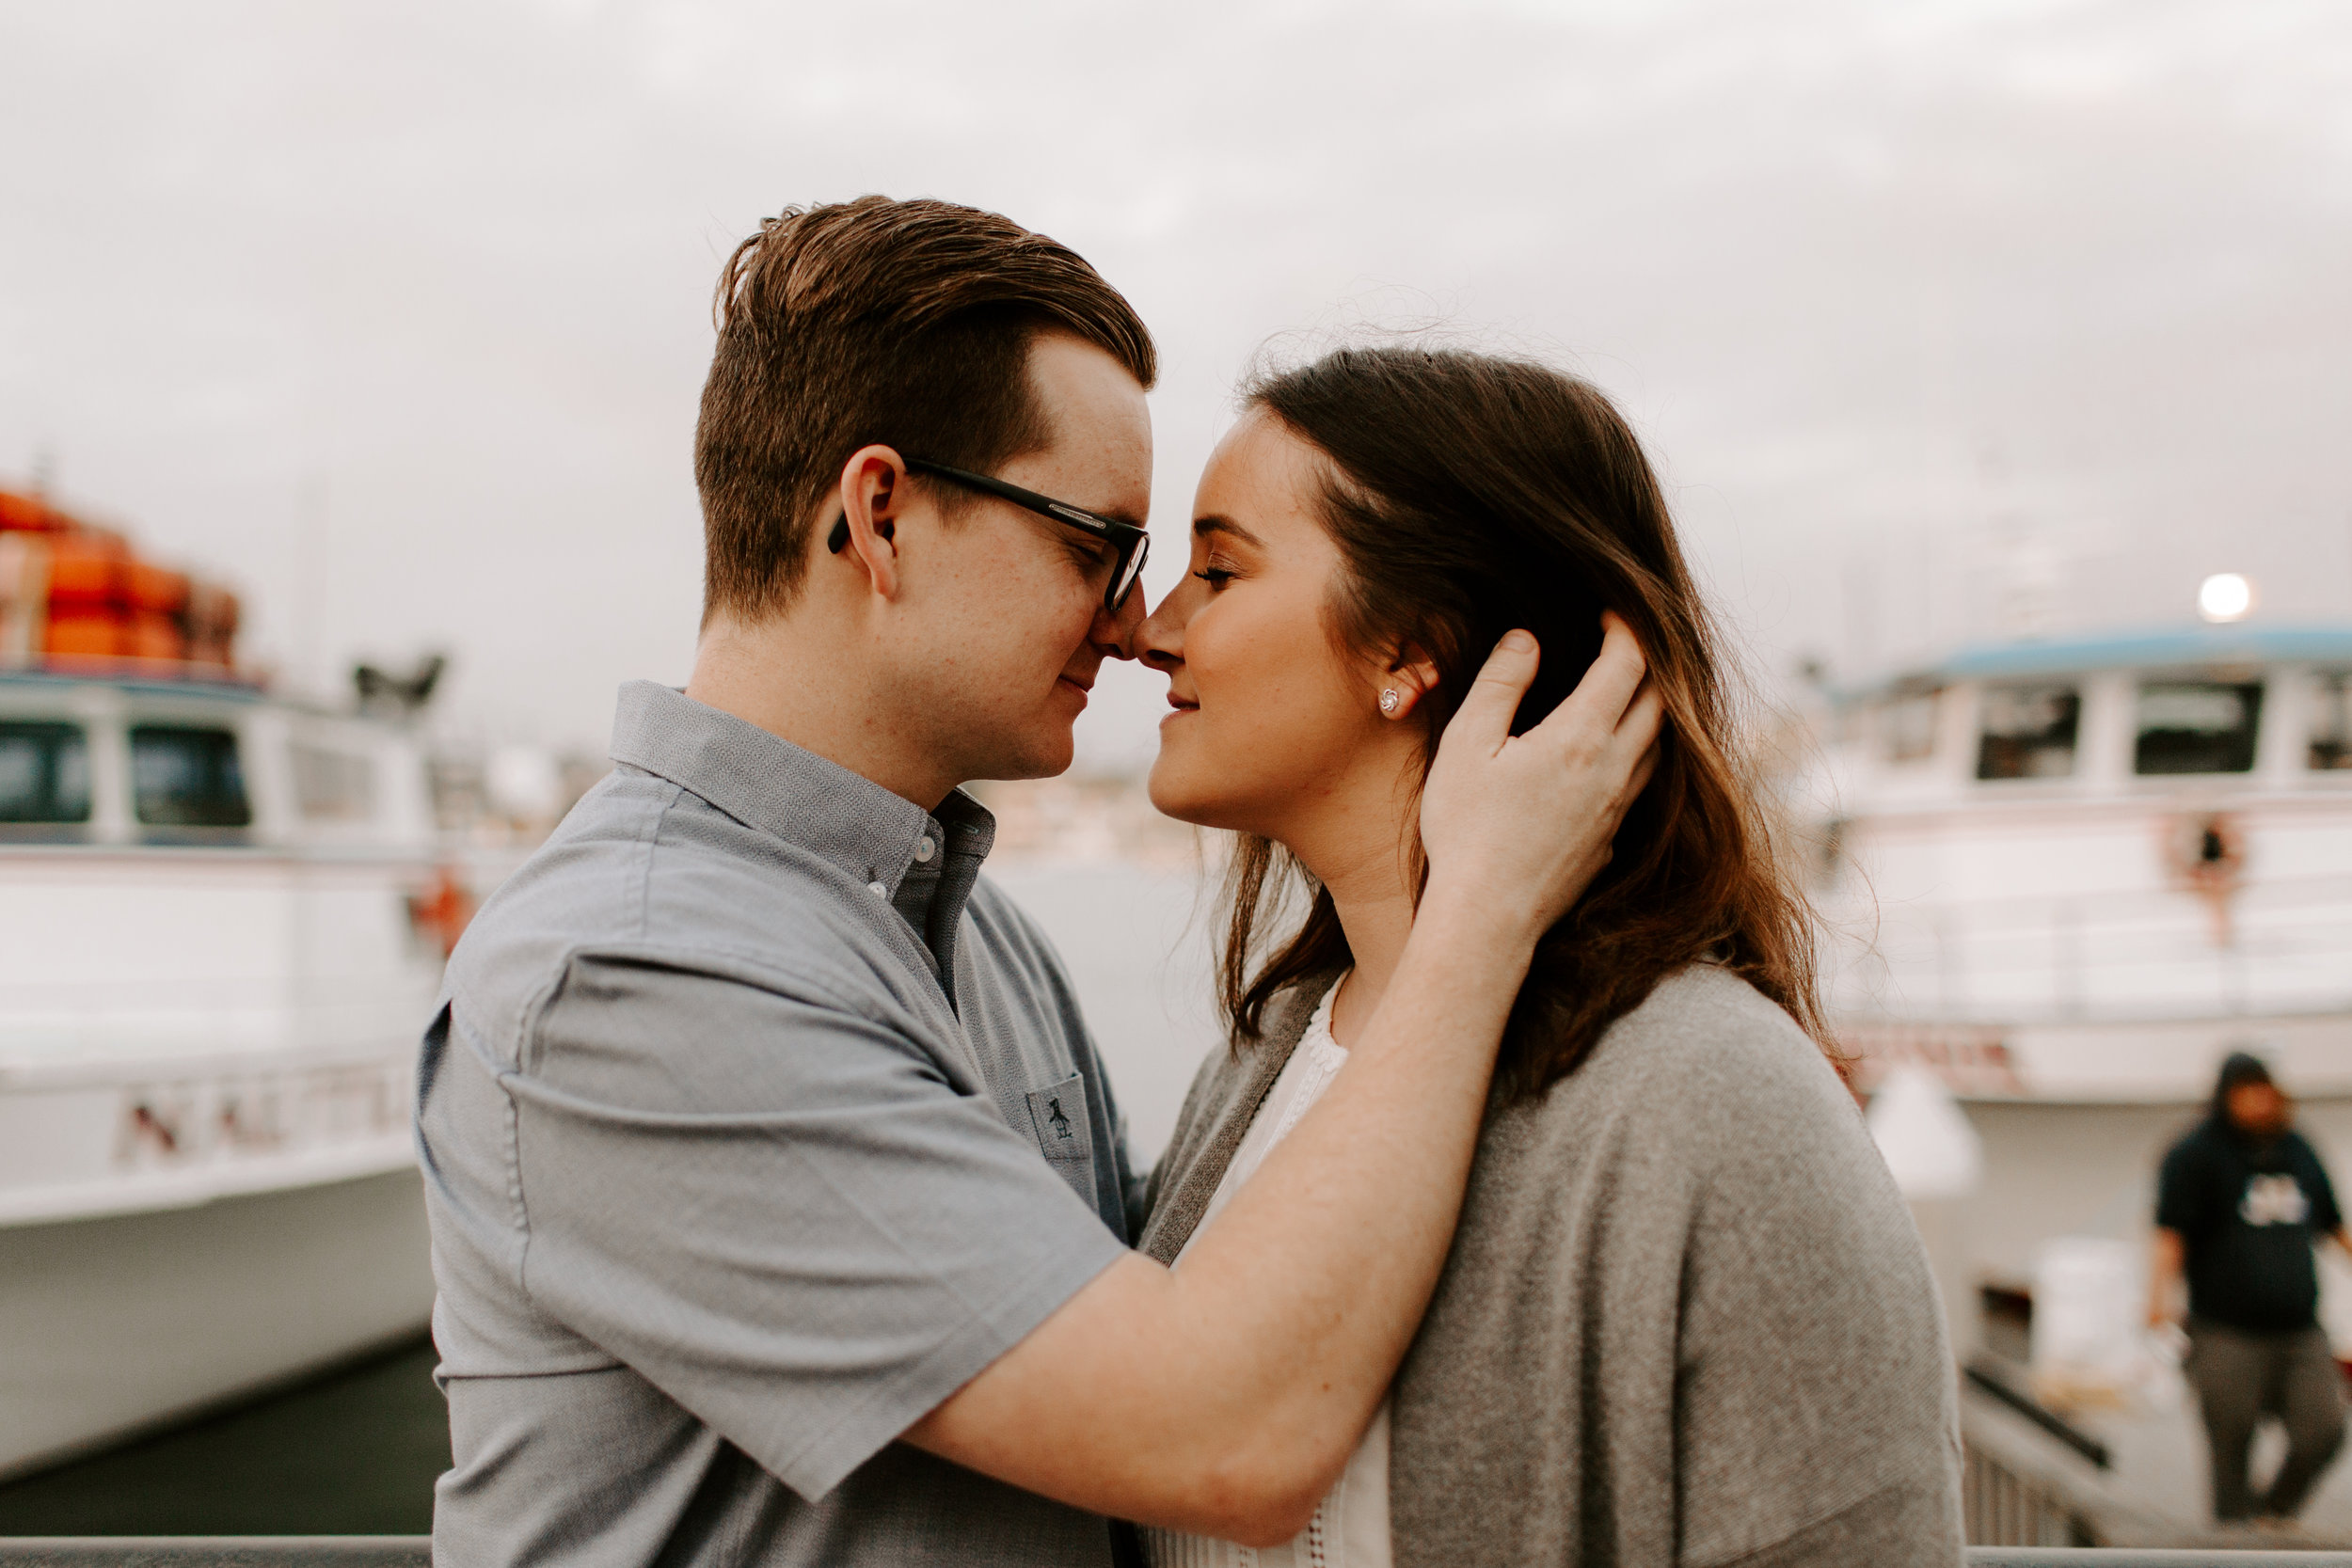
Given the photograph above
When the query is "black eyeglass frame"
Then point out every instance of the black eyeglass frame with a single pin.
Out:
(1130, 545)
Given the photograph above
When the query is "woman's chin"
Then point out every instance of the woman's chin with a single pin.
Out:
(1174, 795)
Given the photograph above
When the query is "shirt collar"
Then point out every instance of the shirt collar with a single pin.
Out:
(765, 782)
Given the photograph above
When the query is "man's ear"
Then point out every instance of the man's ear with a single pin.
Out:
(1410, 675)
(872, 496)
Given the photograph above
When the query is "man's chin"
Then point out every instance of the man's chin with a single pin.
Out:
(1047, 757)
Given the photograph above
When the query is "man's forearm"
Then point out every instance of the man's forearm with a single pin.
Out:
(1312, 1281)
(1226, 1396)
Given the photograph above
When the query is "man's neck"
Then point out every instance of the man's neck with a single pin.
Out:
(813, 686)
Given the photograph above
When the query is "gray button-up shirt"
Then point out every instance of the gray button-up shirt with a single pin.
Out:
(753, 1125)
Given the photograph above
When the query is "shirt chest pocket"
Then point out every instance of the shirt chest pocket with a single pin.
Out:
(1065, 1135)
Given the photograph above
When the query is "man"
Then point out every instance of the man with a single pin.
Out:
(779, 1205)
(2240, 1203)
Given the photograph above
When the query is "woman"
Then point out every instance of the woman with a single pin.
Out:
(1686, 1318)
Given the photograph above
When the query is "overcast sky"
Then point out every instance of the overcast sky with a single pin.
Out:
(395, 314)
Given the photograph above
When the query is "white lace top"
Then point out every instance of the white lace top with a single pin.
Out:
(1351, 1528)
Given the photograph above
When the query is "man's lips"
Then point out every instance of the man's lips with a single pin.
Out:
(1073, 680)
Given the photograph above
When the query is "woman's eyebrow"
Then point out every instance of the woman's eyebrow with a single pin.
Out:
(1204, 527)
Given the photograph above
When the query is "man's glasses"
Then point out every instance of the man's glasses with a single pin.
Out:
(1130, 545)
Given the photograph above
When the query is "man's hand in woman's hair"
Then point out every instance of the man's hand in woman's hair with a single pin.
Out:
(1516, 827)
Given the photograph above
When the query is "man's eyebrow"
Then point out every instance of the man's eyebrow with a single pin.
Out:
(1204, 527)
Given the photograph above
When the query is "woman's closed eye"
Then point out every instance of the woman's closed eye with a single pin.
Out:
(1216, 572)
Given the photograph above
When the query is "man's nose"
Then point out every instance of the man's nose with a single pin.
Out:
(1116, 630)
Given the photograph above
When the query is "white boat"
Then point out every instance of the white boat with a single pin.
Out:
(219, 938)
(2067, 878)
(2082, 871)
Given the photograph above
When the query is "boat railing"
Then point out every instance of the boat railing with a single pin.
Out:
(2274, 945)
(416, 1551)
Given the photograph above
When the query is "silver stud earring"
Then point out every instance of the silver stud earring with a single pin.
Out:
(1388, 700)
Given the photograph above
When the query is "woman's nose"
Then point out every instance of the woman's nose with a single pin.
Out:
(1159, 641)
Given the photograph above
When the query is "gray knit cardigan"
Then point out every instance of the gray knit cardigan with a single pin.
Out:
(1686, 1319)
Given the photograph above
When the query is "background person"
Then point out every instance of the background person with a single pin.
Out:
(1687, 1318)
(2240, 1202)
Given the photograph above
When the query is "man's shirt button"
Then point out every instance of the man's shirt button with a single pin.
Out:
(923, 848)
(878, 890)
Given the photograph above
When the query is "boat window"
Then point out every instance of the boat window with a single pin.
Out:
(2027, 731)
(2331, 722)
(2197, 727)
(187, 777)
(332, 786)
(1908, 725)
(45, 772)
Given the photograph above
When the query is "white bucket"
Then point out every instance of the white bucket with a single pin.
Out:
(2090, 1301)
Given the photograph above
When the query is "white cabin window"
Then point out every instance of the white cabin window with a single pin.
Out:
(2027, 731)
(45, 772)
(332, 786)
(184, 776)
(1907, 726)
(2197, 727)
(2331, 722)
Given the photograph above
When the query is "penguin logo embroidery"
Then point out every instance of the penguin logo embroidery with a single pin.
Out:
(1053, 1117)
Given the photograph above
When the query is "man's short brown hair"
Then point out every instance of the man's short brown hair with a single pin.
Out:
(907, 323)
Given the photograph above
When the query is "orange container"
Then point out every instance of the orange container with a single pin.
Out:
(81, 635)
(153, 636)
(24, 514)
(156, 590)
(88, 572)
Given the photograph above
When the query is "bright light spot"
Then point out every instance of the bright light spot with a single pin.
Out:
(2225, 596)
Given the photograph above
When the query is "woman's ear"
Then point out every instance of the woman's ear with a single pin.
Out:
(1405, 683)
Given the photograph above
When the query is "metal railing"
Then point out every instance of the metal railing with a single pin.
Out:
(218, 1551)
(2099, 956)
(415, 1551)
(1997, 1504)
(2132, 1557)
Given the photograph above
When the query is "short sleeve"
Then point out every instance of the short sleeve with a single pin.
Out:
(779, 1212)
(2326, 1219)
(2181, 1191)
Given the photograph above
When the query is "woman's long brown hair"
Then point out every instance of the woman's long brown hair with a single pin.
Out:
(1469, 494)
